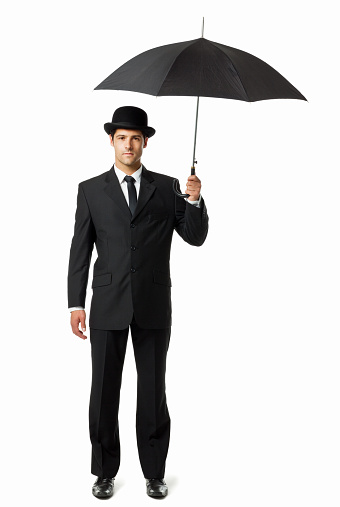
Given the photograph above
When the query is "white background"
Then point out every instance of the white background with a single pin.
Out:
(253, 365)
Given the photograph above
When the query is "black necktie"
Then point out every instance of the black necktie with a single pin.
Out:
(132, 193)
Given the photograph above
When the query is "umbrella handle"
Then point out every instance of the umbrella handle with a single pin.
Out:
(175, 185)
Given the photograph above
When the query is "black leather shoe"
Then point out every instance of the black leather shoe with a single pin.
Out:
(103, 488)
(156, 488)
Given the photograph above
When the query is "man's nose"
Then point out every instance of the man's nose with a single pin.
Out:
(128, 144)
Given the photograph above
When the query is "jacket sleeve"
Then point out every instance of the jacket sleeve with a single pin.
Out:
(80, 252)
(191, 222)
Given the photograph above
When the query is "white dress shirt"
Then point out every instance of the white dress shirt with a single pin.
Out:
(137, 176)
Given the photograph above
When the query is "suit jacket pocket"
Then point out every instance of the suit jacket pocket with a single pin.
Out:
(100, 280)
(157, 216)
(161, 277)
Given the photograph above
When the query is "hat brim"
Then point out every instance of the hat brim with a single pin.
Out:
(148, 131)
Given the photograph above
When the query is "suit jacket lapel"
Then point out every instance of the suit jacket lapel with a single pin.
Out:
(145, 192)
(114, 190)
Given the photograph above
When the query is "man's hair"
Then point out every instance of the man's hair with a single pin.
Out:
(112, 133)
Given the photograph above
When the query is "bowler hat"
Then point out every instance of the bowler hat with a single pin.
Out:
(129, 117)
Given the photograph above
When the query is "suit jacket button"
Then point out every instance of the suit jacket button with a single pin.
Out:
(133, 248)
(132, 226)
(133, 270)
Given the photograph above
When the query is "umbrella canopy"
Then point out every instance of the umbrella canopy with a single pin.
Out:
(202, 68)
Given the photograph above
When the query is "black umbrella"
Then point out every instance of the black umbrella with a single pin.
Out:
(203, 68)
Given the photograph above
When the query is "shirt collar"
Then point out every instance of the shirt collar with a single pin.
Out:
(121, 174)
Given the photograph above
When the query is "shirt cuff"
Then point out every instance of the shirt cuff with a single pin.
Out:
(195, 203)
(76, 308)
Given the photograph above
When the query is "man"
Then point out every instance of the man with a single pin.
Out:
(130, 213)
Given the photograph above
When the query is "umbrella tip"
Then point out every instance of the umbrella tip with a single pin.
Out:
(202, 26)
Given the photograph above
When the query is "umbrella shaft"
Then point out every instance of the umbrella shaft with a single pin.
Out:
(198, 100)
(193, 158)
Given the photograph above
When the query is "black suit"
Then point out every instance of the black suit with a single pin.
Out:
(131, 287)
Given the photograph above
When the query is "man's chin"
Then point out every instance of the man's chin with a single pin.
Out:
(129, 161)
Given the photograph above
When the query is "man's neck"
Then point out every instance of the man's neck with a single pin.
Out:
(127, 169)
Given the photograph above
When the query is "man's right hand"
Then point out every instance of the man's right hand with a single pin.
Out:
(78, 317)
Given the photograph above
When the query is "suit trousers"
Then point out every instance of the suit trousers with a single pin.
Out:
(152, 416)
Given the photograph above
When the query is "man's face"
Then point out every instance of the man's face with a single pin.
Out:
(128, 145)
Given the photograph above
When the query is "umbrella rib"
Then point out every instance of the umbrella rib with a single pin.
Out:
(238, 75)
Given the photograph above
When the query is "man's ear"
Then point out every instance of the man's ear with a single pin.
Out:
(111, 139)
(145, 142)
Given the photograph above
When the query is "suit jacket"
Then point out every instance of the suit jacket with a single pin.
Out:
(131, 275)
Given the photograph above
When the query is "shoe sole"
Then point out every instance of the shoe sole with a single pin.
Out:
(102, 497)
(157, 495)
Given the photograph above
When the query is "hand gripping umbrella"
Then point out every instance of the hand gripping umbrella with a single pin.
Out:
(201, 68)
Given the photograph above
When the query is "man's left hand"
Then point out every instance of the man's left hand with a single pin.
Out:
(193, 188)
